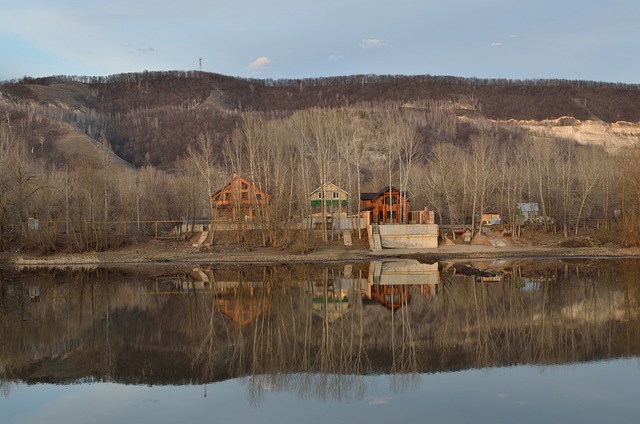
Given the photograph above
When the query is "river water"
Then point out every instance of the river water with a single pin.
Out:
(486, 342)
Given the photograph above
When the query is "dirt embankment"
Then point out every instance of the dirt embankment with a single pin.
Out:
(493, 245)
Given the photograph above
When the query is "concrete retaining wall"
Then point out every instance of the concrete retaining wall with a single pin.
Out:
(409, 236)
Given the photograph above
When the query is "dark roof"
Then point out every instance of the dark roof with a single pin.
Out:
(373, 196)
(387, 188)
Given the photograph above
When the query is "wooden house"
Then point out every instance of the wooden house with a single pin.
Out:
(329, 198)
(240, 200)
(386, 206)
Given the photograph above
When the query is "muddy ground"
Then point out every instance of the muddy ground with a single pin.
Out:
(531, 244)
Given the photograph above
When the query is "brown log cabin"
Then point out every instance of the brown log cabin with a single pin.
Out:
(240, 199)
(389, 205)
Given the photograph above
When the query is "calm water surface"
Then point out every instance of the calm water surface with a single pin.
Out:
(482, 342)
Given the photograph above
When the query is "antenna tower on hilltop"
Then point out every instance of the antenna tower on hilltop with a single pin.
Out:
(200, 60)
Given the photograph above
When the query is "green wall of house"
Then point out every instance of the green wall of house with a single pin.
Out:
(316, 203)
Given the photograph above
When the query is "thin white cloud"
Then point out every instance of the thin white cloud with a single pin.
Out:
(496, 44)
(514, 36)
(146, 50)
(336, 57)
(260, 63)
(368, 43)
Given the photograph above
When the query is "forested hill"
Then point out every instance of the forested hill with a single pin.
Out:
(150, 117)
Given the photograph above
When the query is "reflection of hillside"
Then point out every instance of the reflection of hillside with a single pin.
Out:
(291, 320)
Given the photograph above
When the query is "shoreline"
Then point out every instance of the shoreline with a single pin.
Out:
(172, 255)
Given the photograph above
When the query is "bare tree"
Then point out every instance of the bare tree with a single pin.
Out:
(482, 175)
(441, 179)
(589, 172)
(540, 160)
(18, 181)
(316, 129)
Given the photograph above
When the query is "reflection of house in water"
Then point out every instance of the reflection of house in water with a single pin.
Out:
(497, 278)
(242, 303)
(390, 281)
(329, 302)
(239, 300)
(330, 297)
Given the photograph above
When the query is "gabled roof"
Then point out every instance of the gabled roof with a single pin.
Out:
(235, 177)
(373, 196)
(329, 187)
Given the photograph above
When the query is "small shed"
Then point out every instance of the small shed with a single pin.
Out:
(489, 218)
(527, 212)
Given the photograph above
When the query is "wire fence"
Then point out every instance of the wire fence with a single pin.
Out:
(155, 228)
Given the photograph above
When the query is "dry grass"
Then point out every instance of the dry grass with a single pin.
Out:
(72, 261)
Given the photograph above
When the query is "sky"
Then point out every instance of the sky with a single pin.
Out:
(514, 39)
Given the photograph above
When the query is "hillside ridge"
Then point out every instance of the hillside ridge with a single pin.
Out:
(149, 118)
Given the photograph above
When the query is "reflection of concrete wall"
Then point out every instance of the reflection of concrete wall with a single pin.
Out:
(403, 272)
(409, 236)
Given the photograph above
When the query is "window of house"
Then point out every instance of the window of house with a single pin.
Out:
(258, 196)
(390, 200)
(245, 196)
(244, 186)
(320, 195)
(227, 196)
(336, 195)
(391, 215)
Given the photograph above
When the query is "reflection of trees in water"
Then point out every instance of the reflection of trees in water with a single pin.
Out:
(294, 347)
(5, 388)
(403, 344)
(80, 327)
(273, 326)
(564, 314)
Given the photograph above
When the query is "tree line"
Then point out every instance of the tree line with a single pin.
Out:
(457, 168)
